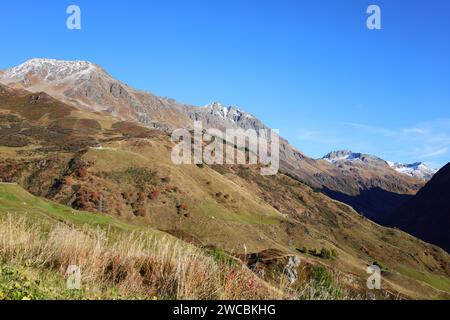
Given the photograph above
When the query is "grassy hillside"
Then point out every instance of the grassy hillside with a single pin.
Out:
(116, 196)
(14, 199)
(40, 239)
(237, 211)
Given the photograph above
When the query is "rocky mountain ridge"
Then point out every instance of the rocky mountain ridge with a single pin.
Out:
(91, 88)
(417, 170)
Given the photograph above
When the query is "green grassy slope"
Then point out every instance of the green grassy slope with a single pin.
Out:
(15, 200)
(39, 239)
(20, 281)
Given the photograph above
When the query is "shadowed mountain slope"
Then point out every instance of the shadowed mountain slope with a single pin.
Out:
(427, 215)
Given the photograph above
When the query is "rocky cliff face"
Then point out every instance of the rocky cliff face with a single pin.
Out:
(216, 115)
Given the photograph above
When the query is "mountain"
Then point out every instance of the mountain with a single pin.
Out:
(382, 189)
(94, 162)
(418, 170)
(216, 115)
(427, 215)
(90, 87)
(374, 190)
(343, 156)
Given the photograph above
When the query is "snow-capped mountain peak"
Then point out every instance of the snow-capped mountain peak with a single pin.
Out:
(335, 156)
(219, 108)
(227, 113)
(347, 155)
(419, 169)
(49, 70)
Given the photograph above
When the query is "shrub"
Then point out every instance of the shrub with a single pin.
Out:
(141, 212)
(68, 180)
(325, 253)
(334, 253)
(303, 250)
(321, 276)
(82, 172)
(95, 196)
(142, 197)
(154, 194)
(323, 285)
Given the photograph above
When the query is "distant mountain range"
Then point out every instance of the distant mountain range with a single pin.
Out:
(417, 170)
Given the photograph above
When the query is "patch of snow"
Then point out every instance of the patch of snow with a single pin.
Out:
(343, 155)
(225, 111)
(49, 70)
(417, 170)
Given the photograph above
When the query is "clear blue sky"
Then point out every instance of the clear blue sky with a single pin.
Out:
(309, 68)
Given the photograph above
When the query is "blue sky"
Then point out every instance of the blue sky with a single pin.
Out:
(309, 68)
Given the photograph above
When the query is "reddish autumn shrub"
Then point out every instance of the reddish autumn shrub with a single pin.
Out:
(95, 196)
(142, 196)
(82, 172)
(141, 212)
(82, 201)
(69, 180)
(155, 194)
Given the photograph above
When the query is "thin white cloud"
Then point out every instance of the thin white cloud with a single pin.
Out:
(415, 131)
(435, 153)
(426, 141)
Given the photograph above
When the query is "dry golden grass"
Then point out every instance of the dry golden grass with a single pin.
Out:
(136, 265)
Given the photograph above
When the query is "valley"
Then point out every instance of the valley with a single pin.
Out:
(67, 160)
